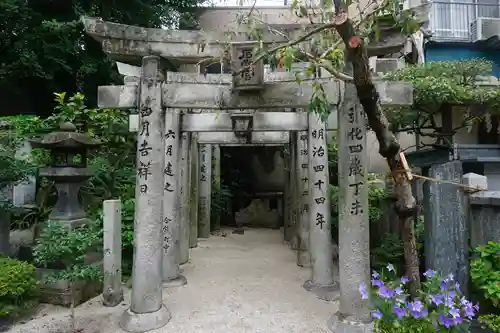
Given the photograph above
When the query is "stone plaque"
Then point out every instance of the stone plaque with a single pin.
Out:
(250, 75)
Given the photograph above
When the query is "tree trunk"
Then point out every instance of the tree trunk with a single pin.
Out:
(389, 145)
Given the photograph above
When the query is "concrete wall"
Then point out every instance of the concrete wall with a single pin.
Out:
(226, 18)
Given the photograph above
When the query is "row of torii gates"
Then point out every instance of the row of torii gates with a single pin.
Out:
(181, 114)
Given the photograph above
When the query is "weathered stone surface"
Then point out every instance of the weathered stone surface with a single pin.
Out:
(146, 299)
(257, 214)
(484, 217)
(294, 192)
(171, 200)
(194, 191)
(446, 223)
(251, 75)
(214, 91)
(204, 209)
(230, 139)
(112, 292)
(321, 283)
(64, 292)
(184, 182)
(216, 181)
(354, 234)
(303, 255)
(287, 196)
(475, 181)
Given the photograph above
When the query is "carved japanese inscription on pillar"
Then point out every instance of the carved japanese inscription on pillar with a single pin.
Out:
(250, 74)
(320, 237)
(144, 149)
(319, 152)
(170, 177)
(304, 181)
(205, 190)
(355, 148)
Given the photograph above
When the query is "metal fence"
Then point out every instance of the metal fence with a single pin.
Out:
(451, 21)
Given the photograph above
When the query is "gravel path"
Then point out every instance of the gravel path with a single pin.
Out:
(239, 283)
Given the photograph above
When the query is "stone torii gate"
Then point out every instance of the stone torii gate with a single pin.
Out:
(237, 106)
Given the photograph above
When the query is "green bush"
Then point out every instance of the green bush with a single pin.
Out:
(18, 287)
(491, 321)
(485, 272)
(65, 250)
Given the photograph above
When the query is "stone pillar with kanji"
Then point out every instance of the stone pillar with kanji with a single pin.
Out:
(354, 234)
(321, 283)
(205, 163)
(303, 255)
(171, 200)
(147, 311)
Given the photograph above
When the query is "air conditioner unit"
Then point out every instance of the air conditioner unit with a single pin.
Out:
(485, 27)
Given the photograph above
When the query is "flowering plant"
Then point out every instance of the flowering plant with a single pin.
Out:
(439, 307)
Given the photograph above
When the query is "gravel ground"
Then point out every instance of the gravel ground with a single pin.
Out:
(238, 283)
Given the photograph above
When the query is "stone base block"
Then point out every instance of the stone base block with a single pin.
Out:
(177, 282)
(111, 298)
(326, 293)
(64, 292)
(144, 322)
(342, 324)
(303, 259)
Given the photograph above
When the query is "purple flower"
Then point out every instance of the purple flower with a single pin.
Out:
(401, 299)
(454, 312)
(476, 307)
(416, 305)
(446, 322)
(399, 312)
(385, 292)
(419, 314)
(457, 286)
(417, 309)
(469, 310)
(398, 291)
(444, 285)
(390, 267)
(404, 280)
(429, 273)
(377, 283)
(449, 300)
(451, 277)
(376, 314)
(363, 291)
(437, 299)
(375, 275)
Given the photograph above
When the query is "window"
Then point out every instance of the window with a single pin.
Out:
(451, 19)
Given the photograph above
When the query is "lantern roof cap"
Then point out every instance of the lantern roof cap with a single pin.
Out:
(65, 137)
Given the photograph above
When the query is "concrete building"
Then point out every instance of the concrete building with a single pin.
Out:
(465, 30)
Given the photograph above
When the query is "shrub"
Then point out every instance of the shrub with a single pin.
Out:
(485, 275)
(65, 250)
(485, 272)
(18, 287)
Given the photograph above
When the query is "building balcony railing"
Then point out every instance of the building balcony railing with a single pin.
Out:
(452, 21)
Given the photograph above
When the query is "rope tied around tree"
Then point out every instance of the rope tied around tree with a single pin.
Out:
(402, 167)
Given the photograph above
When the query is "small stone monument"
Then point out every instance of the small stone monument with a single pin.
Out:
(68, 170)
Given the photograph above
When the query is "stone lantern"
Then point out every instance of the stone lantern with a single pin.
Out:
(68, 170)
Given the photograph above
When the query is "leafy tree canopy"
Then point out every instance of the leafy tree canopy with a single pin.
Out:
(443, 83)
(43, 48)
